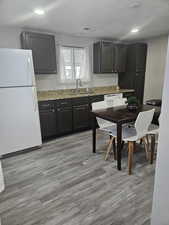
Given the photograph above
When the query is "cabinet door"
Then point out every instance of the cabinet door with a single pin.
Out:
(64, 120)
(107, 57)
(136, 57)
(139, 85)
(48, 123)
(120, 58)
(81, 117)
(97, 57)
(141, 53)
(126, 80)
(43, 51)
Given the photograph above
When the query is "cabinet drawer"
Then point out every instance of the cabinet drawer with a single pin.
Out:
(80, 101)
(46, 105)
(64, 103)
(97, 98)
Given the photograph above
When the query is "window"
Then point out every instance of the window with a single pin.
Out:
(74, 64)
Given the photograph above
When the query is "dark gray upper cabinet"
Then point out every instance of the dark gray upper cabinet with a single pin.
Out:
(134, 76)
(109, 57)
(43, 50)
(120, 57)
(136, 57)
(103, 55)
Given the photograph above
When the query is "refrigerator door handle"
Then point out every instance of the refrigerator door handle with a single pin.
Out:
(30, 70)
(34, 99)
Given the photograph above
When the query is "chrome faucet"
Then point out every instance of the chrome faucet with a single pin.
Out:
(78, 84)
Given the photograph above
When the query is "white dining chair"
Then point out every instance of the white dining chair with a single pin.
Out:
(152, 133)
(133, 134)
(105, 125)
(153, 128)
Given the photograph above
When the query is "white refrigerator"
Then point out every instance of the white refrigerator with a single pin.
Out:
(19, 116)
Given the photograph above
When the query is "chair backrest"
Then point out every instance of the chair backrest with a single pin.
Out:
(143, 121)
(159, 119)
(101, 122)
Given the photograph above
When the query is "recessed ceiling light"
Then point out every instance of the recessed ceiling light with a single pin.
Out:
(86, 28)
(135, 30)
(135, 4)
(39, 12)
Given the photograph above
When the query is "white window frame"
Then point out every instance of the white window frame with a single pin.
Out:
(85, 77)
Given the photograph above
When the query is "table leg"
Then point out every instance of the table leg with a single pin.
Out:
(94, 133)
(119, 139)
(152, 148)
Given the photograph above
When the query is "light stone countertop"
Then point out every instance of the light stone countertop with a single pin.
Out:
(70, 93)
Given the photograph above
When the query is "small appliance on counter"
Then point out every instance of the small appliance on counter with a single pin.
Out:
(19, 116)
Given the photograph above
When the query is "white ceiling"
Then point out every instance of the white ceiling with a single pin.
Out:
(106, 18)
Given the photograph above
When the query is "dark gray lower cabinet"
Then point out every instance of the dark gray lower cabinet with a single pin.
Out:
(96, 98)
(65, 116)
(48, 122)
(64, 120)
(81, 115)
(48, 119)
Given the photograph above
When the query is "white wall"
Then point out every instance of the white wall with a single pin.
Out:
(10, 38)
(156, 59)
(160, 213)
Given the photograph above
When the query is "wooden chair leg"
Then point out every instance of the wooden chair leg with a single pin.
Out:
(109, 148)
(146, 146)
(152, 148)
(122, 145)
(131, 145)
(141, 141)
(114, 149)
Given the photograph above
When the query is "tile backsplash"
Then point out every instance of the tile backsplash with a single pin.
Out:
(52, 82)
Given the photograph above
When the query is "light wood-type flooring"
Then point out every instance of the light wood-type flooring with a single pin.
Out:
(64, 183)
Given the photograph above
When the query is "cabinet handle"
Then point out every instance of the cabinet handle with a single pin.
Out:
(45, 105)
(64, 103)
